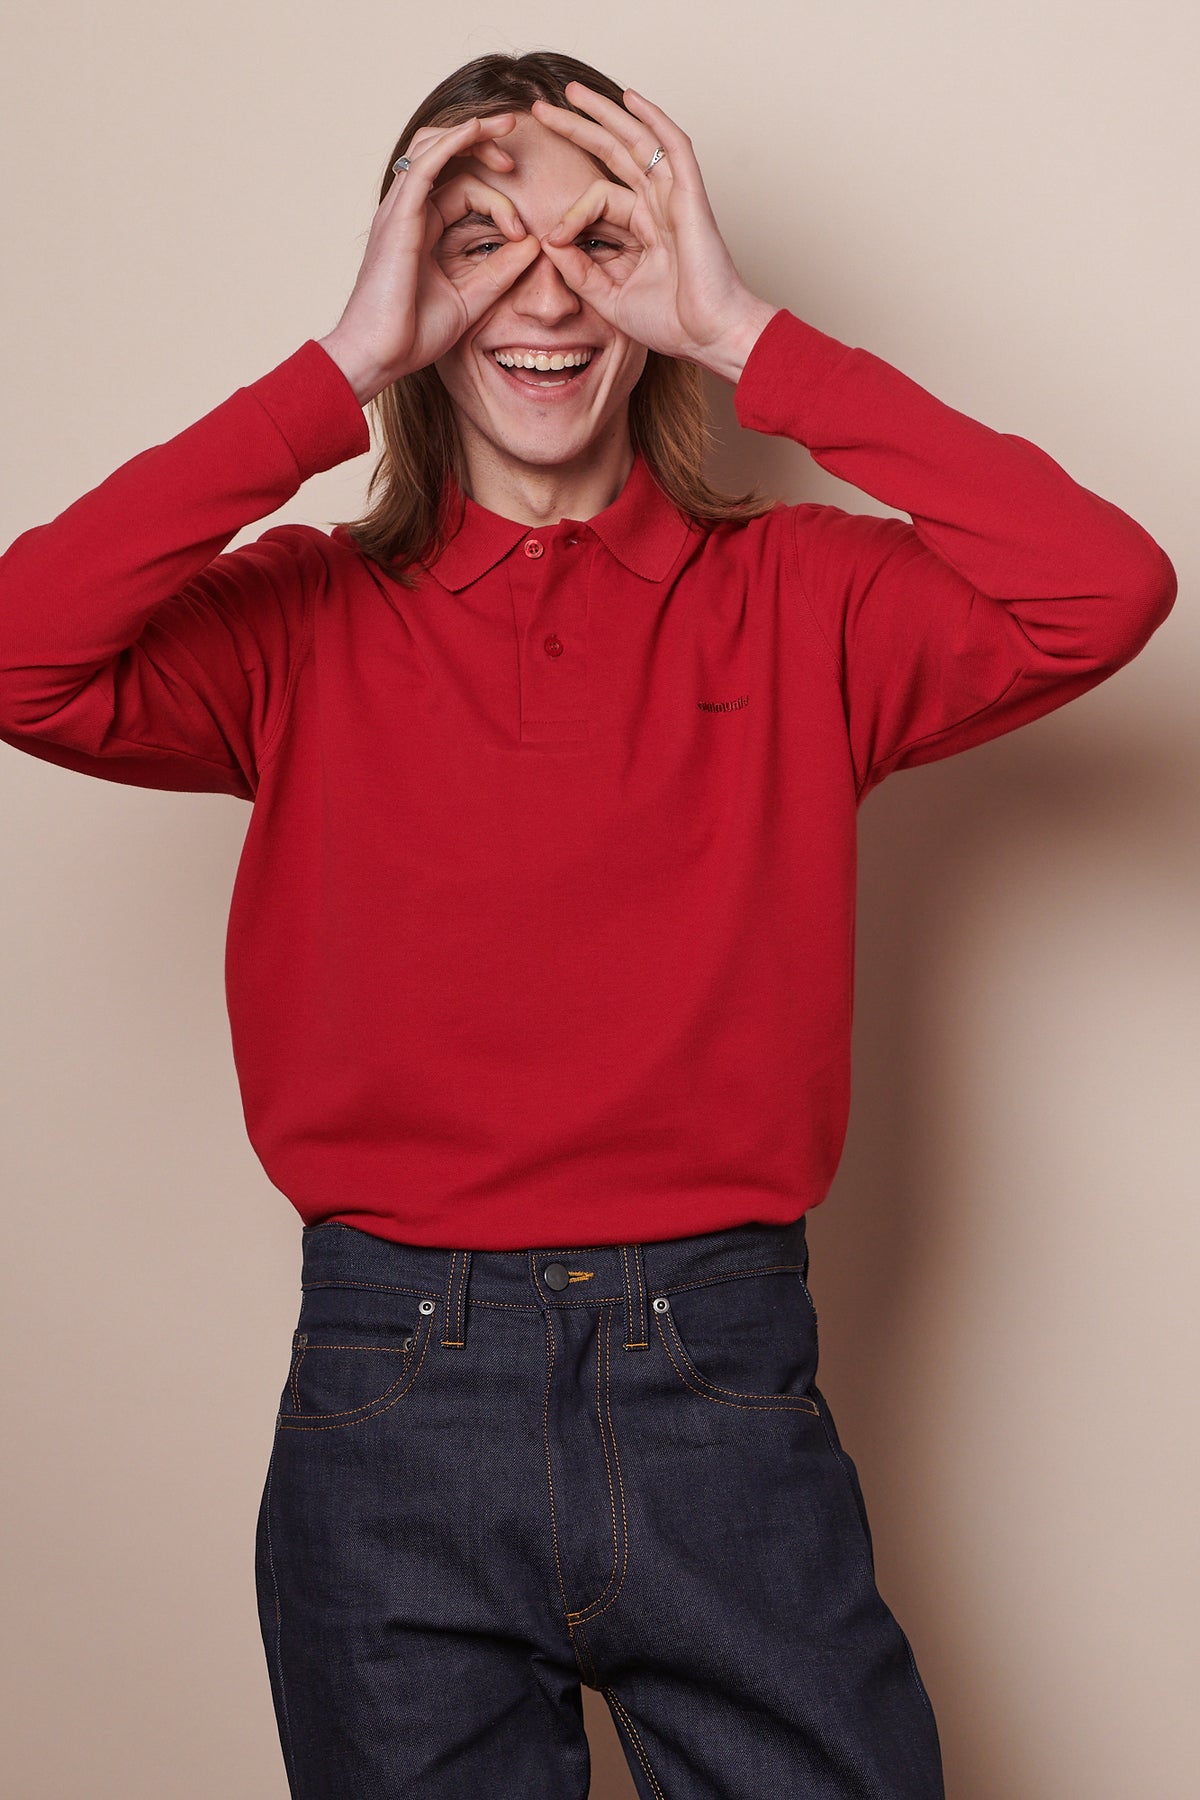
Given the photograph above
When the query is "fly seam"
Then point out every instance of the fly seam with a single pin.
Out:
(621, 1538)
(625, 1518)
(549, 1463)
(583, 1650)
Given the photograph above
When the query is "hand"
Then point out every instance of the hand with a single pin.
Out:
(684, 297)
(404, 311)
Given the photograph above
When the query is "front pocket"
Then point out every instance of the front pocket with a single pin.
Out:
(747, 1340)
(341, 1377)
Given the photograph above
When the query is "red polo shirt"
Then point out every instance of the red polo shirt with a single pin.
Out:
(543, 928)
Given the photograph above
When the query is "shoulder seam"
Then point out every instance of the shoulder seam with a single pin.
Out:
(794, 512)
(275, 740)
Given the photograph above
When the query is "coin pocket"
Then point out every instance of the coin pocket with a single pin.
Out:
(340, 1375)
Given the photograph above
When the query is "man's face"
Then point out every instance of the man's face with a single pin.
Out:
(530, 418)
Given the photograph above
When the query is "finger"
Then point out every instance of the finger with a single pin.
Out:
(465, 194)
(656, 129)
(490, 153)
(678, 145)
(595, 139)
(431, 159)
(494, 156)
(486, 281)
(584, 277)
(463, 162)
(602, 200)
(425, 135)
(640, 139)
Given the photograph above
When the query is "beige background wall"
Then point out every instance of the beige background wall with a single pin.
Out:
(999, 198)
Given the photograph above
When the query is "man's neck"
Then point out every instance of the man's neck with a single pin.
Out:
(539, 494)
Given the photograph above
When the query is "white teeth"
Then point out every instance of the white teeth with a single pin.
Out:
(542, 359)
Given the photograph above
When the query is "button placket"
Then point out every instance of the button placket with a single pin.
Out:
(551, 609)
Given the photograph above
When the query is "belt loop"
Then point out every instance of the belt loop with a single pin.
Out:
(454, 1325)
(636, 1334)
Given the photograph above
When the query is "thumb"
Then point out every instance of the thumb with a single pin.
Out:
(488, 280)
(583, 277)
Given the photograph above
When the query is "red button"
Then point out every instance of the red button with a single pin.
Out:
(533, 547)
(552, 646)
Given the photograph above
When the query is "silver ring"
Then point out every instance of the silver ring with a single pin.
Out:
(401, 163)
(657, 157)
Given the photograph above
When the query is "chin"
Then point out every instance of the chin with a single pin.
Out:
(547, 449)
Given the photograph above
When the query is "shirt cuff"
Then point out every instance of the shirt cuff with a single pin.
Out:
(785, 369)
(311, 403)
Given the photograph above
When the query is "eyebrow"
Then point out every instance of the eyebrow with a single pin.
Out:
(472, 220)
(468, 223)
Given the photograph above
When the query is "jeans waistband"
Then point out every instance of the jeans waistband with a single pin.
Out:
(547, 1275)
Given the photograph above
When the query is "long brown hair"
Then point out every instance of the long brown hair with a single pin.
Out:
(668, 410)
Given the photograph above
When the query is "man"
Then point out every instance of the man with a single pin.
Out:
(541, 947)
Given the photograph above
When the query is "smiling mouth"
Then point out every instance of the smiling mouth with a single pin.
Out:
(536, 377)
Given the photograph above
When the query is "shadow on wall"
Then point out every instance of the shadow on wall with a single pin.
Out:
(896, 1242)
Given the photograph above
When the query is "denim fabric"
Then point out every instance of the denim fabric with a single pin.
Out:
(499, 1474)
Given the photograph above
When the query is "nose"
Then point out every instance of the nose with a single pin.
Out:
(540, 292)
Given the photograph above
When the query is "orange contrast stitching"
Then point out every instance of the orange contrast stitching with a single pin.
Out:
(550, 1473)
(369, 1409)
(633, 1343)
(639, 1747)
(620, 1535)
(757, 1402)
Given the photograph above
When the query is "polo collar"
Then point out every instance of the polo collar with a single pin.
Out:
(642, 528)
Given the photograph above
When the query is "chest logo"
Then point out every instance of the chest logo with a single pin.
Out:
(724, 705)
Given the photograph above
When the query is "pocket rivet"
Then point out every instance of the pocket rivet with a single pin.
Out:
(408, 1343)
(661, 1304)
(426, 1306)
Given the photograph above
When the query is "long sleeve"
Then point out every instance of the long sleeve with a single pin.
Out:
(131, 648)
(1013, 590)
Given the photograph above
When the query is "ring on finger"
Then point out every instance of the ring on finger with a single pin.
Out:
(401, 163)
(657, 157)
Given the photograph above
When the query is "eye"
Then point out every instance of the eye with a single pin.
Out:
(594, 245)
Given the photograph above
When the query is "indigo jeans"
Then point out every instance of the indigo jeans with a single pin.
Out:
(499, 1474)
